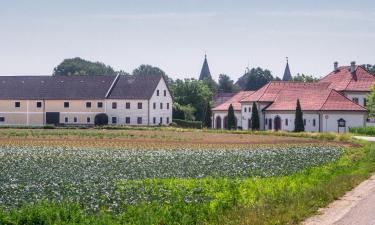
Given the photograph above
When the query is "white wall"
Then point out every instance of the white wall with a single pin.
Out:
(223, 114)
(290, 116)
(246, 116)
(361, 96)
(164, 113)
(121, 112)
(352, 119)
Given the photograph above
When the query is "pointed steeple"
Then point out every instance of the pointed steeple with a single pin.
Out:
(287, 75)
(205, 72)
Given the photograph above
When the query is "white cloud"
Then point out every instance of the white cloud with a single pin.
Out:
(152, 16)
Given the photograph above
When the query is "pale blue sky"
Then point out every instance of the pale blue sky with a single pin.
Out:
(36, 35)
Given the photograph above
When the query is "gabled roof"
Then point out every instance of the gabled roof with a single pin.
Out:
(235, 101)
(344, 80)
(313, 100)
(269, 92)
(205, 72)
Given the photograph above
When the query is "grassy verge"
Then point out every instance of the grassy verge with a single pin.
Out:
(273, 200)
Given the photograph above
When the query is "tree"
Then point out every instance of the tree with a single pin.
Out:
(207, 117)
(255, 118)
(78, 66)
(299, 126)
(192, 92)
(257, 78)
(183, 112)
(145, 69)
(304, 78)
(370, 68)
(231, 118)
(371, 102)
(211, 84)
(101, 119)
(227, 85)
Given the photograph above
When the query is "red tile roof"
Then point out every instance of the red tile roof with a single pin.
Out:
(235, 101)
(344, 80)
(313, 100)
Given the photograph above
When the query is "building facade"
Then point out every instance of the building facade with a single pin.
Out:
(76, 100)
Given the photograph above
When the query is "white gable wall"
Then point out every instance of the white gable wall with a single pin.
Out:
(165, 113)
(360, 95)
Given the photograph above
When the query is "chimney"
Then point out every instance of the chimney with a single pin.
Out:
(352, 67)
(336, 66)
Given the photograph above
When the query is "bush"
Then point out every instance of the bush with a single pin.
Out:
(188, 124)
(101, 119)
(363, 130)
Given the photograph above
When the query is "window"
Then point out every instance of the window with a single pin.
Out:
(114, 105)
(355, 100)
(88, 119)
(249, 109)
(365, 102)
(114, 119)
(127, 120)
(266, 121)
(161, 105)
(304, 122)
(39, 104)
(161, 120)
(314, 122)
(127, 105)
(139, 105)
(66, 120)
(66, 104)
(168, 105)
(167, 120)
(165, 92)
(17, 104)
(88, 104)
(75, 119)
(154, 120)
(157, 93)
(154, 105)
(2, 119)
(100, 104)
(245, 109)
(286, 122)
(139, 120)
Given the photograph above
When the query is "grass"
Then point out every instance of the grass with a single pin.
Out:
(368, 131)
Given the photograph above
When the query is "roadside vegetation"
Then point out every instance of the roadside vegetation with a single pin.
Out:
(178, 178)
(368, 131)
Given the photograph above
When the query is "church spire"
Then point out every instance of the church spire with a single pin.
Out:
(205, 72)
(287, 75)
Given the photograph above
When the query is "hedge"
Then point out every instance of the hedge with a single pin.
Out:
(188, 124)
(363, 130)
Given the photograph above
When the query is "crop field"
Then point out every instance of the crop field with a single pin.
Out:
(151, 177)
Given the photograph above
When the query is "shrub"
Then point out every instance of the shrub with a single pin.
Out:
(231, 119)
(188, 124)
(255, 118)
(363, 130)
(101, 119)
(299, 126)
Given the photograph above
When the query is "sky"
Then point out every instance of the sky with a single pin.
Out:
(36, 35)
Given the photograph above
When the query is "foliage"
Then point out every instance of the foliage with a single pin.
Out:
(211, 84)
(255, 125)
(183, 112)
(363, 130)
(192, 92)
(151, 70)
(78, 66)
(257, 78)
(207, 116)
(231, 119)
(227, 85)
(299, 126)
(304, 78)
(101, 119)
(370, 68)
(371, 102)
(188, 124)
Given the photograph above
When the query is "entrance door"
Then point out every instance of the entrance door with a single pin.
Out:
(270, 124)
(277, 122)
(53, 118)
(218, 122)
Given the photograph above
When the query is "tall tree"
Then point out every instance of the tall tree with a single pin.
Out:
(231, 118)
(304, 78)
(255, 125)
(371, 102)
(193, 92)
(227, 85)
(208, 114)
(151, 70)
(183, 112)
(78, 66)
(299, 126)
(257, 78)
(211, 84)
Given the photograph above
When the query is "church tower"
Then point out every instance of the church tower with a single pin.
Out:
(287, 75)
(205, 72)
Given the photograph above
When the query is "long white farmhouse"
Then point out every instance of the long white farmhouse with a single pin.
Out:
(334, 104)
(142, 100)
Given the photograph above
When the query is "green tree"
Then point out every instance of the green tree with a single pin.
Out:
(211, 84)
(151, 70)
(183, 112)
(369, 67)
(371, 102)
(227, 85)
(299, 126)
(78, 66)
(207, 117)
(192, 92)
(257, 78)
(255, 125)
(231, 119)
(304, 78)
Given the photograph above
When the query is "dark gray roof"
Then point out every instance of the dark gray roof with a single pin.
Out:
(205, 72)
(287, 75)
(76, 87)
(135, 87)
